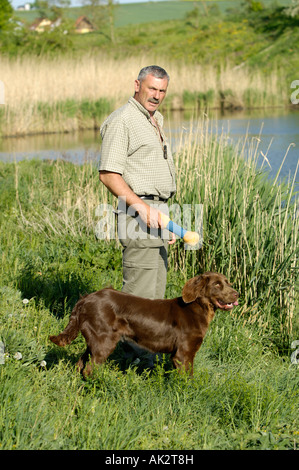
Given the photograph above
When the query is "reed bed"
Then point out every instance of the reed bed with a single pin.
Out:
(46, 95)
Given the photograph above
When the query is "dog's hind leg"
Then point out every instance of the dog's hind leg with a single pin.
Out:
(99, 348)
(83, 360)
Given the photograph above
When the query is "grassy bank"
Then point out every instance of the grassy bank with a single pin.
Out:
(245, 391)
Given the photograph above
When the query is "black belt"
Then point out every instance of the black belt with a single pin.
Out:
(151, 197)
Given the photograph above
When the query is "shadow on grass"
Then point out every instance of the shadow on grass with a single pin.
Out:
(123, 357)
(58, 293)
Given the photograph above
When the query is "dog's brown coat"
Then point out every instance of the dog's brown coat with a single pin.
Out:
(175, 326)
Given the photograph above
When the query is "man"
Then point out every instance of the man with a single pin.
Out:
(136, 165)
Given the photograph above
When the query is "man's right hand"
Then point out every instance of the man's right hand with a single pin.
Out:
(117, 186)
(148, 214)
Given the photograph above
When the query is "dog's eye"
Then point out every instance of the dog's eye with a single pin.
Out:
(217, 284)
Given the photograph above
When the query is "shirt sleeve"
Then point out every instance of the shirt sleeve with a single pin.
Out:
(114, 149)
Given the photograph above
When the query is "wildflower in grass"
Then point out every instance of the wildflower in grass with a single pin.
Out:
(25, 301)
(43, 364)
(18, 356)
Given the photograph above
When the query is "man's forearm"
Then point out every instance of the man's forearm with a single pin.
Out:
(117, 186)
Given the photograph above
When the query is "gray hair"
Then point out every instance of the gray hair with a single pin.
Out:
(154, 70)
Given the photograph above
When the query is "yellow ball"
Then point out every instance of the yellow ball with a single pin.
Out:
(191, 238)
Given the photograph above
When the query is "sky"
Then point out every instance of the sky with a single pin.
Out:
(75, 3)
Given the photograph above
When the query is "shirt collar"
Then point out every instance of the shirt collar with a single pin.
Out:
(158, 116)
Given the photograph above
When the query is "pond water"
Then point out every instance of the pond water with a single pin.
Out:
(277, 129)
(279, 135)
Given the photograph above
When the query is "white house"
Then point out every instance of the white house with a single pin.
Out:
(26, 7)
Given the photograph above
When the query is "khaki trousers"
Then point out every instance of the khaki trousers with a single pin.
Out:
(144, 255)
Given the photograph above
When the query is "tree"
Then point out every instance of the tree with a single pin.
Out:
(254, 5)
(101, 12)
(111, 7)
(51, 9)
(6, 13)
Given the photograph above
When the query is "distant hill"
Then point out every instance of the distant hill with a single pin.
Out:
(138, 13)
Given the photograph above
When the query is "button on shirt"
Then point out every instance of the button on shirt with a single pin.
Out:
(133, 147)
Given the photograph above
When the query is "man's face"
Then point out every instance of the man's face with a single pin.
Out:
(151, 92)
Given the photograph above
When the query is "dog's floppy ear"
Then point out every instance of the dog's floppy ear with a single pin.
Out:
(191, 289)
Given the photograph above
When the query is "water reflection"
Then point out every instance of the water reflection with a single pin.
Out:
(76, 147)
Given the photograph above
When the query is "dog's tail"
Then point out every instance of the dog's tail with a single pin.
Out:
(71, 330)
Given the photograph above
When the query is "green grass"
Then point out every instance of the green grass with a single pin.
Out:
(62, 116)
(244, 394)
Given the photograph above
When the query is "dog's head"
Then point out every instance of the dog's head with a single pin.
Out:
(214, 288)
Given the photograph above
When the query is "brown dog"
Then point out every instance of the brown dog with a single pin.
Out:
(175, 326)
